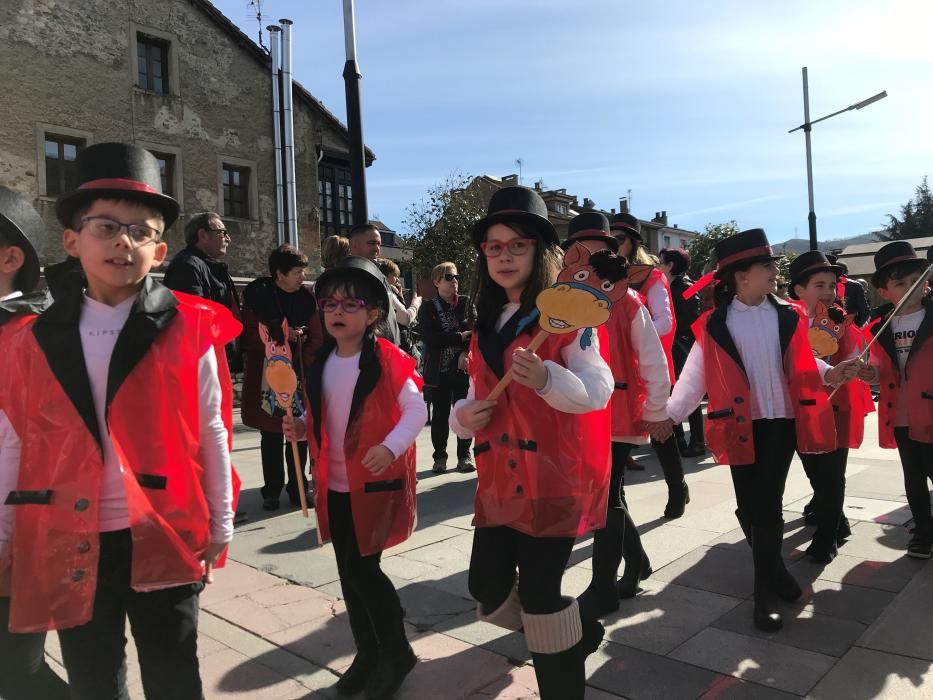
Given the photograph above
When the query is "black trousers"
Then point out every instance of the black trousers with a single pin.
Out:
(679, 354)
(827, 475)
(759, 487)
(277, 462)
(540, 561)
(917, 465)
(451, 387)
(373, 605)
(164, 625)
(24, 675)
(620, 454)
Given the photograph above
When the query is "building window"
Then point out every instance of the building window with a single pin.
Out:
(560, 208)
(335, 198)
(236, 191)
(167, 172)
(667, 242)
(152, 64)
(60, 155)
(388, 238)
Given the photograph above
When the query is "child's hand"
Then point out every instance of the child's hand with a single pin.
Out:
(293, 428)
(214, 550)
(842, 373)
(660, 430)
(378, 458)
(529, 369)
(475, 415)
(867, 373)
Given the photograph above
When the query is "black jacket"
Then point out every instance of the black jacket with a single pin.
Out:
(193, 272)
(856, 302)
(436, 339)
(686, 311)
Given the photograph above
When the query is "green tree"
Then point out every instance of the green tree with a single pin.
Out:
(701, 248)
(440, 226)
(916, 216)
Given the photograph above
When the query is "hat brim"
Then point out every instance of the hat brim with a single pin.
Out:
(812, 271)
(757, 259)
(68, 204)
(541, 226)
(349, 271)
(610, 241)
(626, 231)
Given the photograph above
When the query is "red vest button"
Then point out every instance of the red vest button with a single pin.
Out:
(82, 504)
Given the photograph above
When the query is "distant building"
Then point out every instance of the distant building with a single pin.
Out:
(860, 260)
(179, 78)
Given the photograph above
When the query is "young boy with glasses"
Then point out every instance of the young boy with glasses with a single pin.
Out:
(119, 423)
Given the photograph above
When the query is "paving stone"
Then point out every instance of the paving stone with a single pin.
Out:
(236, 579)
(327, 644)
(664, 616)
(732, 688)
(233, 675)
(866, 673)
(877, 542)
(883, 575)
(273, 609)
(906, 625)
(670, 542)
(467, 628)
(517, 684)
(714, 569)
(803, 629)
(639, 675)
(761, 661)
(841, 600)
(426, 606)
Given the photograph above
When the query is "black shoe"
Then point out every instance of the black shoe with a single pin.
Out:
(844, 531)
(390, 671)
(295, 501)
(634, 466)
(822, 550)
(628, 586)
(440, 466)
(354, 678)
(766, 553)
(240, 517)
(695, 449)
(785, 585)
(765, 617)
(678, 496)
(270, 503)
(809, 514)
(919, 547)
(595, 603)
(465, 465)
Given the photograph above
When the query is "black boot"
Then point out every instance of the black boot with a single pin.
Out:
(844, 531)
(600, 597)
(562, 674)
(637, 566)
(367, 649)
(678, 495)
(785, 585)
(396, 658)
(766, 552)
(697, 446)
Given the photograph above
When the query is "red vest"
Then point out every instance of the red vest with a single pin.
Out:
(628, 398)
(540, 471)
(852, 401)
(729, 415)
(917, 381)
(667, 340)
(383, 506)
(153, 422)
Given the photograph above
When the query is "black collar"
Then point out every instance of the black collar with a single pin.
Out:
(57, 333)
(493, 346)
(32, 303)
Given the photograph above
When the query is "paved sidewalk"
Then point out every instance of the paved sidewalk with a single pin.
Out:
(274, 625)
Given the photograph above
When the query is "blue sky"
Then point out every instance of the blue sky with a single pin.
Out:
(687, 104)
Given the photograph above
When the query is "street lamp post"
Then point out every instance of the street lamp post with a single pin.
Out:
(807, 127)
(351, 76)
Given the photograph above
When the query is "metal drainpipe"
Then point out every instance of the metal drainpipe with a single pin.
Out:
(289, 134)
(276, 53)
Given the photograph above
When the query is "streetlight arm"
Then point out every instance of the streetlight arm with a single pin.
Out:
(858, 105)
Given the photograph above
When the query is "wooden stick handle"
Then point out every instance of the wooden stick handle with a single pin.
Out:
(300, 479)
(497, 390)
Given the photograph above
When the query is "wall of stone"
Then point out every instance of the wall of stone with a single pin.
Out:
(69, 65)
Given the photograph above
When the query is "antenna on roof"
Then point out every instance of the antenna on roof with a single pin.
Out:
(521, 164)
(256, 6)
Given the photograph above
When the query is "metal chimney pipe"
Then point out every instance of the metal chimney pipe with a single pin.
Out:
(275, 52)
(351, 77)
(288, 132)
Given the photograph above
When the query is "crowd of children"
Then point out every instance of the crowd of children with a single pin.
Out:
(118, 492)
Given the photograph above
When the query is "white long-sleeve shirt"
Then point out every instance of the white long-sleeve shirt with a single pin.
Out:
(340, 377)
(99, 328)
(652, 366)
(754, 329)
(582, 384)
(405, 315)
(658, 301)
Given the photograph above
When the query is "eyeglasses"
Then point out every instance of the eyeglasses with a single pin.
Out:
(451, 277)
(221, 231)
(350, 306)
(517, 246)
(106, 229)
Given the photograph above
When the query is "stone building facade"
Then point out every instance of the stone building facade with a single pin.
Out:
(180, 79)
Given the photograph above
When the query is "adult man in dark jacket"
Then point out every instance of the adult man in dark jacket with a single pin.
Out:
(674, 264)
(855, 299)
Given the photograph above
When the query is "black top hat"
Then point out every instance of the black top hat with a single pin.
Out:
(590, 226)
(354, 266)
(518, 205)
(117, 171)
(24, 228)
(626, 224)
(810, 262)
(748, 246)
(893, 253)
